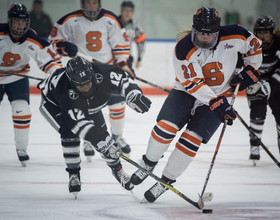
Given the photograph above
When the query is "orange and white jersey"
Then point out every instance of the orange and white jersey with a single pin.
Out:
(15, 56)
(103, 39)
(205, 74)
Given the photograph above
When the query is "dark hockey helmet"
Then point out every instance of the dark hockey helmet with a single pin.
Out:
(206, 21)
(79, 72)
(127, 4)
(18, 12)
(90, 14)
(264, 23)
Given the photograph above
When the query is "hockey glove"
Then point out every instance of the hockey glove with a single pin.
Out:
(246, 77)
(258, 91)
(65, 48)
(115, 151)
(138, 101)
(222, 109)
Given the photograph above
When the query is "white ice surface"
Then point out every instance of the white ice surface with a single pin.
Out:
(40, 190)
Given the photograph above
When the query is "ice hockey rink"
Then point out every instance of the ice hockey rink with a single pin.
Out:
(40, 190)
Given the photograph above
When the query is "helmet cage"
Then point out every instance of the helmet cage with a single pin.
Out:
(90, 14)
(18, 12)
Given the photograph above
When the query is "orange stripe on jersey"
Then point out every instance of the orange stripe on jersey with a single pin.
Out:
(72, 16)
(186, 83)
(256, 53)
(196, 88)
(115, 118)
(110, 61)
(122, 46)
(121, 53)
(35, 42)
(22, 127)
(176, 79)
(167, 127)
(191, 138)
(160, 140)
(2, 33)
(112, 17)
(227, 93)
(50, 66)
(21, 117)
(235, 36)
(185, 150)
(141, 38)
(190, 53)
(117, 110)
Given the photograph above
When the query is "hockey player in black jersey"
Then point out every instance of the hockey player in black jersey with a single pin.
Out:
(72, 99)
(267, 90)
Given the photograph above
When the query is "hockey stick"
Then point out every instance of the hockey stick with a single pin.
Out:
(199, 204)
(259, 140)
(140, 79)
(152, 84)
(219, 142)
(22, 75)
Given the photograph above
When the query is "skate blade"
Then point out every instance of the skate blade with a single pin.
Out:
(89, 159)
(254, 162)
(75, 194)
(23, 163)
(144, 200)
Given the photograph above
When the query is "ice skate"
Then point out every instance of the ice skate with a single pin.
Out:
(123, 178)
(74, 184)
(139, 176)
(23, 157)
(155, 191)
(255, 154)
(124, 146)
(88, 151)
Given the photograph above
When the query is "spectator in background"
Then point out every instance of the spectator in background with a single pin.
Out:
(133, 29)
(40, 21)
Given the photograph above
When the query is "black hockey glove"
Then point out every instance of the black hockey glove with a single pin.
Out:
(222, 109)
(246, 77)
(65, 48)
(138, 102)
(258, 91)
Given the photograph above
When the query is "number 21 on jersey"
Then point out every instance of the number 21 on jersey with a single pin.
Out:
(211, 71)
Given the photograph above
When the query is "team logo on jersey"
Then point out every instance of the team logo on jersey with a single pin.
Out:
(228, 46)
(72, 94)
(30, 47)
(109, 22)
(98, 78)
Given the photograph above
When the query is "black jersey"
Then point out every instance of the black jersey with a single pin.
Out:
(271, 59)
(77, 108)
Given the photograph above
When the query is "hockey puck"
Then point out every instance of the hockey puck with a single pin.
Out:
(207, 210)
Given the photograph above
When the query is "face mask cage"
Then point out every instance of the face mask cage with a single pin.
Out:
(18, 33)
(90, 14)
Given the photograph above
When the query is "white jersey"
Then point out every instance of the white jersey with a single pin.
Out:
(15, 56)
(136, 33)
(103, 39)
(205, 74)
